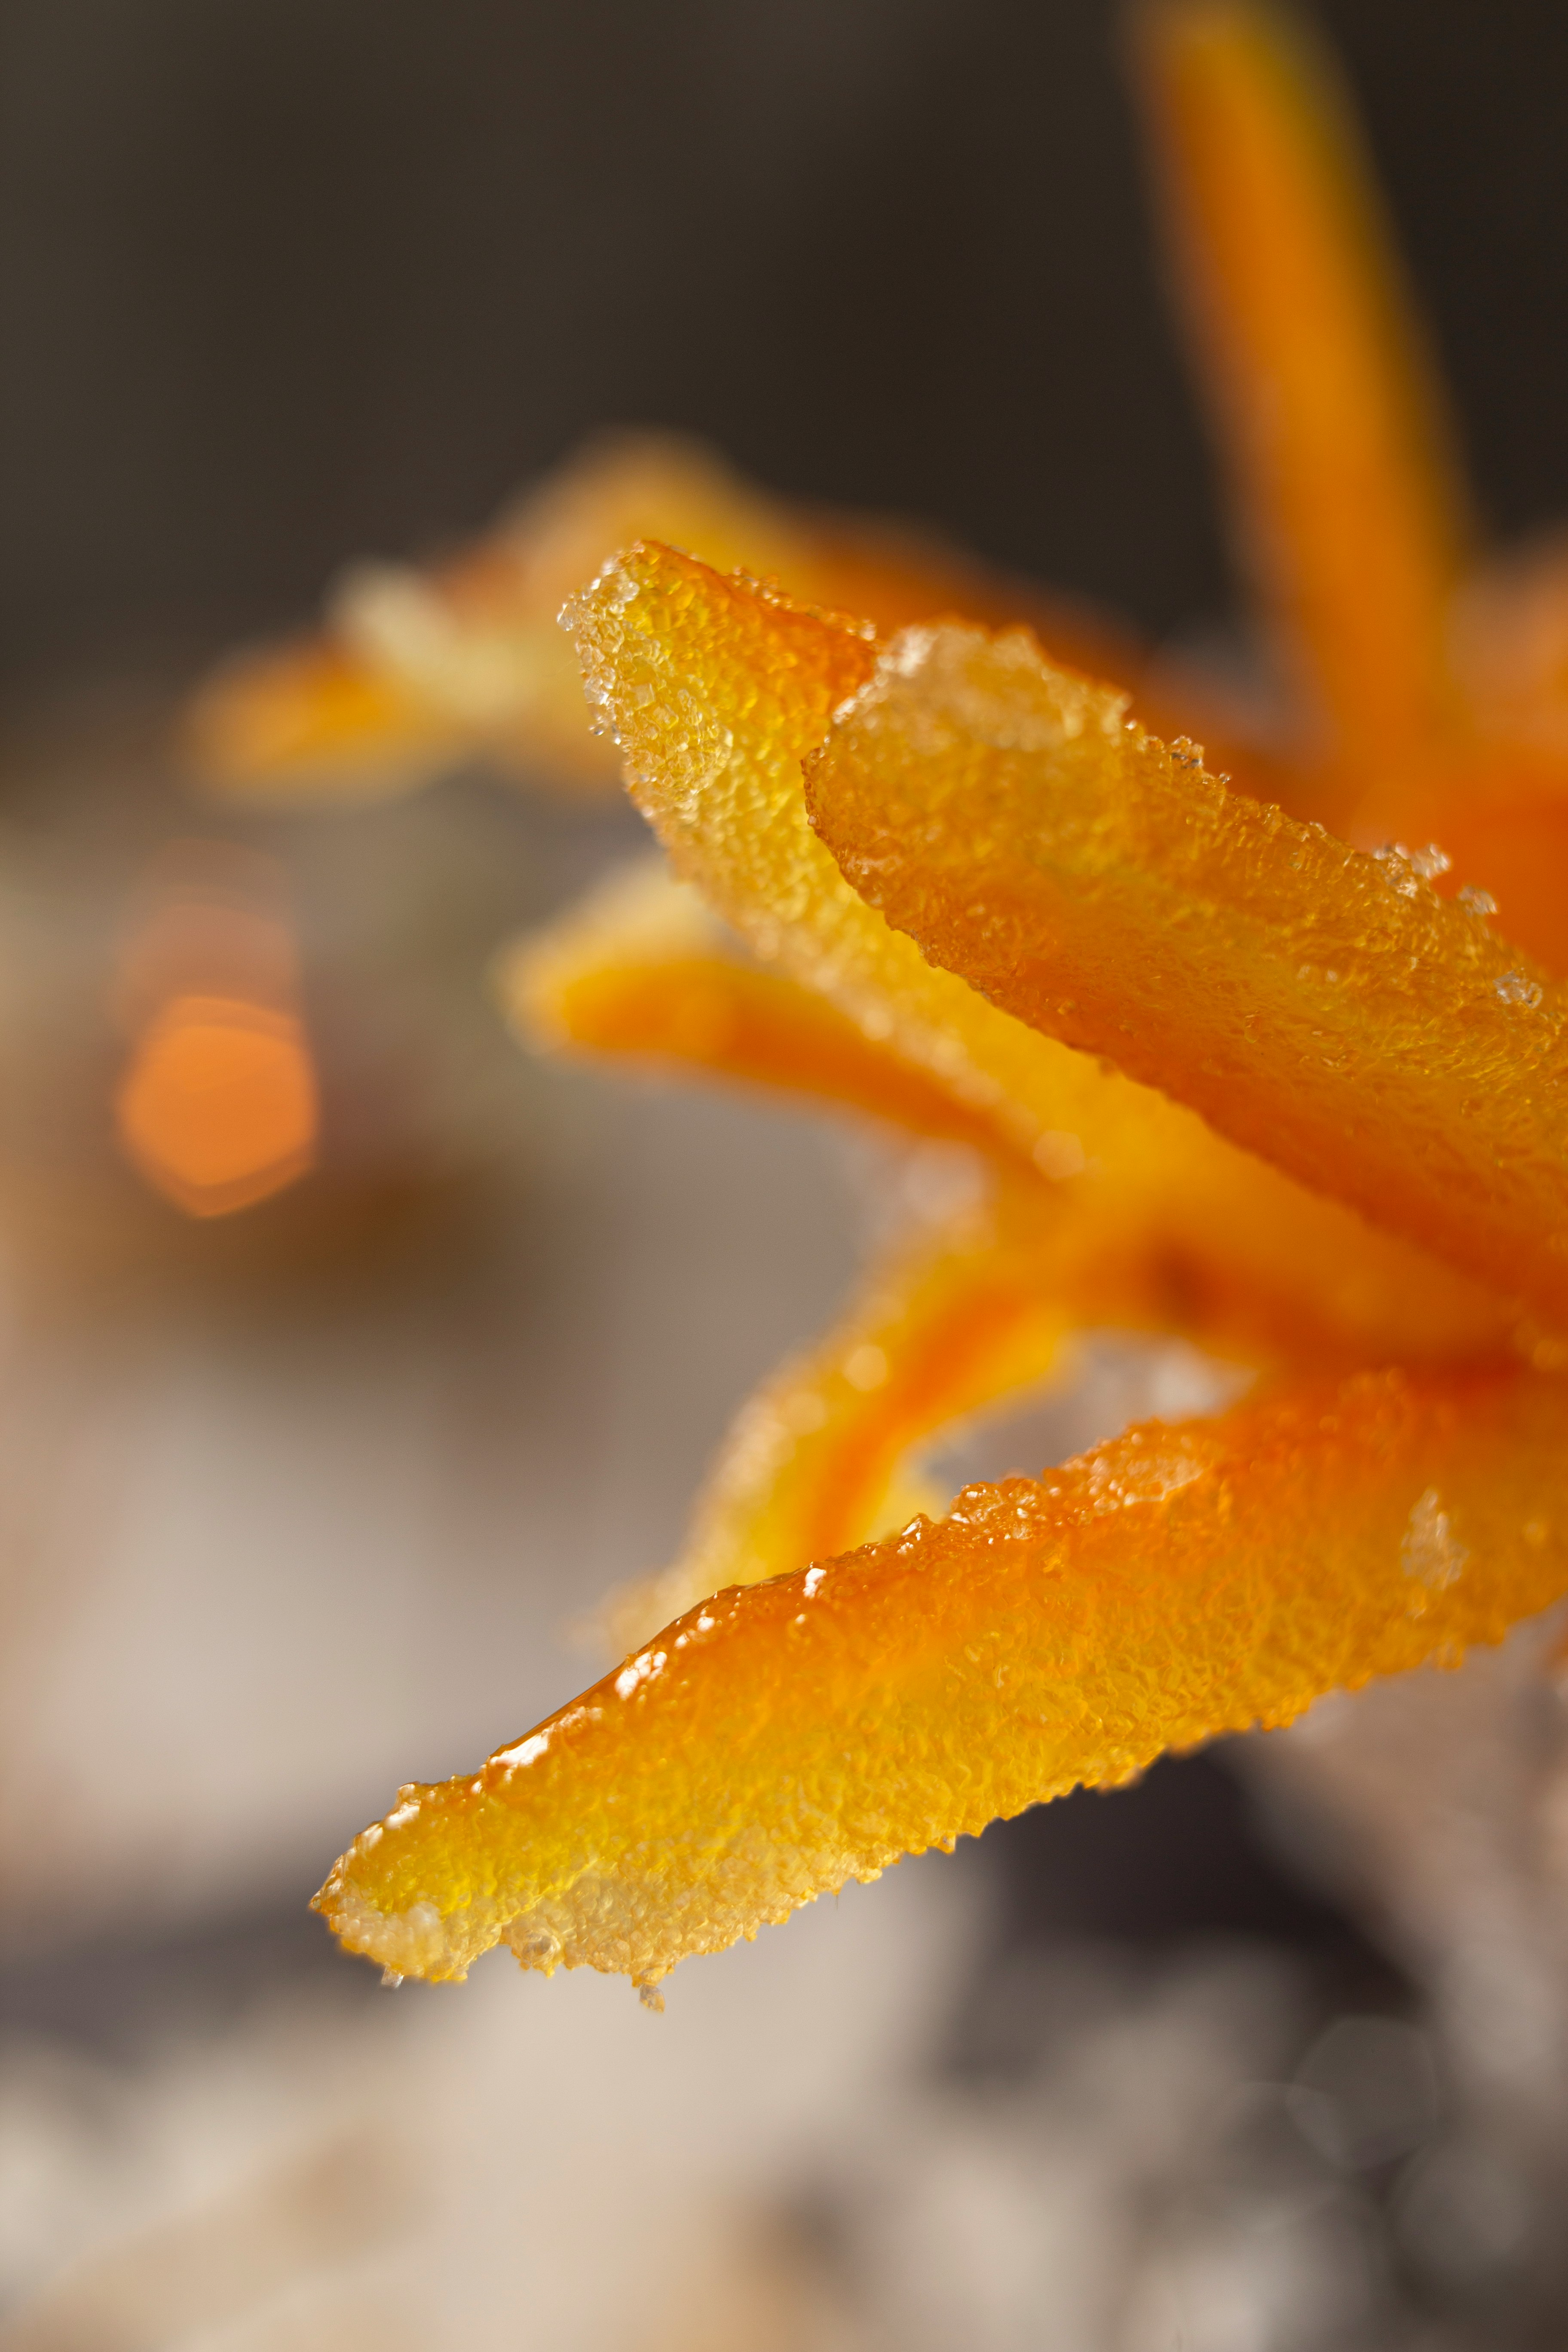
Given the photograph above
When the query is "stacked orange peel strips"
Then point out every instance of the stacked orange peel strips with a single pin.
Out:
(1231, 1078)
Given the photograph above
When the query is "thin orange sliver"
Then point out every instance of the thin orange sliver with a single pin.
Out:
(1344, 484)
(1176, 1583)
(1318, 1005)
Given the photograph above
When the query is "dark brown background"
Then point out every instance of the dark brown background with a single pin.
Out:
(285, 280)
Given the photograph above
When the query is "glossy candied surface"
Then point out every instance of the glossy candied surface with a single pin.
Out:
(1179, 1582)
(1319, 1004)
(715, 691)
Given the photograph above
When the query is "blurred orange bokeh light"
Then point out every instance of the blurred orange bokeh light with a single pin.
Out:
(218, 1107)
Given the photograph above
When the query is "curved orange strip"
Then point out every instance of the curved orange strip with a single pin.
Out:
(1176, 1583)
(816, 1461)
(1321, 1006)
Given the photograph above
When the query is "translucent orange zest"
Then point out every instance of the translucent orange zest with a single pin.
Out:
(313, 719)
(418, 668)
(816, 1463)
(1344, 490)
(641, 970)
(717, 690)
(1178, 1583)
(1320, 1005)
(817, 1460)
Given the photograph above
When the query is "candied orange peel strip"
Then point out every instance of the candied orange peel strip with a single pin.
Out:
(1320, 1005)
(1177, 1582)
(716, 689)
(641, 970)
(810, 1725)
(1344, 486)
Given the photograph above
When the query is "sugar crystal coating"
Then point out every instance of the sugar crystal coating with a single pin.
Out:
(1179, 1582)
(1320, 1005)
(1188, 1576)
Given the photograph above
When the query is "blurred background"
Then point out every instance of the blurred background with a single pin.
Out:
(301, 1501)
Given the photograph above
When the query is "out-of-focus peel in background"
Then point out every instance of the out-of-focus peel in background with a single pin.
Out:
(1344, 486)
(419, 670)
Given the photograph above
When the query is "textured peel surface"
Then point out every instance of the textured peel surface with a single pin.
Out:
(1321, 1006)
(715, 690)
(1181, 1582)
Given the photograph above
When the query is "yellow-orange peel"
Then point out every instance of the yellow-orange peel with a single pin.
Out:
(1179, 1582)
(1343, 481)
(1320, 1005)
(958, 1319)
(641, 970)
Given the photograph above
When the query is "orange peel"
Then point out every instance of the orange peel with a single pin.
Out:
(715, 690)
(1320, 1006)
(1177, 1582)
(817, 1461)
(1171, 1586)
(979, 1308)
(640, 970)
(1343, 481)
